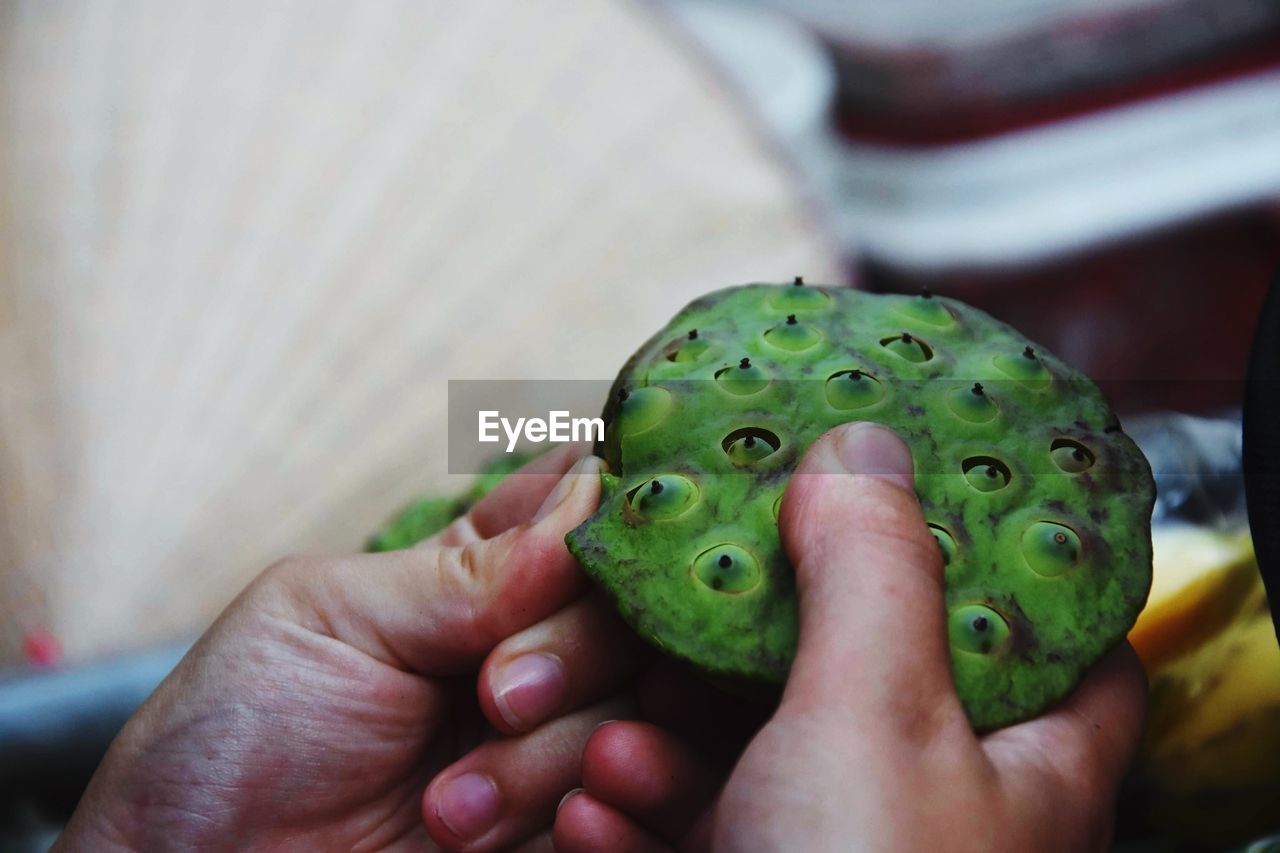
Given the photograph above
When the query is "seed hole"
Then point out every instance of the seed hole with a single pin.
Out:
(727, 568)
(1024, 367)
(792, 335)
(1050, 548)
(908, 346)
(686, 349)
(853, 389)
(664, 496)
(749, 444)
(972, 403)
(1070, 455)
(946, 543)
(977, 629)
(986, 473)
(743, 378)
(642, 408)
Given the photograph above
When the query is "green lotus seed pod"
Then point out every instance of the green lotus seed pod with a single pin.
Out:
(727, 568)
(1050, 549)
(427, 516)
(420, 520)
(996, 472)
(853, 389)
(977, 629)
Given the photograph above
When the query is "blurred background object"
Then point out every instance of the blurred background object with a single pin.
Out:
(244, 245)
(1068, 165)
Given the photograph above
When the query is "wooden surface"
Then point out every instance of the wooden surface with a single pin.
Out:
(243, 246)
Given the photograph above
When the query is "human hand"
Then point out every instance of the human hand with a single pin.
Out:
(870, 748)
(314, 711)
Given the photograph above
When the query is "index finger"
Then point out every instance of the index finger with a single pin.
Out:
(440, 609)
(514, 500)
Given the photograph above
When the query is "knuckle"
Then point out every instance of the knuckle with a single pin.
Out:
(284, 573)
(467, 576)
(279, 588)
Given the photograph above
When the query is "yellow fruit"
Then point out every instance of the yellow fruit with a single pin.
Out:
(1210, 760)
(1199, 580)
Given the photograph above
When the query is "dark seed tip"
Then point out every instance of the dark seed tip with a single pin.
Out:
(749, 441)
(622, 395)
(855, 374)
(1028, 353)
(906, 337)
(980, 624)
(977, 389)
(693, 334)
(655, 488)
(799, 281)
(791, 319)
(725, 561)
(745, 363)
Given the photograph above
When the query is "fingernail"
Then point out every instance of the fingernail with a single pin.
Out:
(468, 805)
(876, 451)
(566, 486)
(528, 689)
(567, 797)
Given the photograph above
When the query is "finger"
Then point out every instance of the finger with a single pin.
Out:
(506, 790)
(650, 775)
(869, 579)
(440, 610)
(515, 499)
(575, 657)
(1088, 741)
(585, 824)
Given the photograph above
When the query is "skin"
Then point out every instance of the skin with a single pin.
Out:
(313, 714)
(374, 701)
(869, 748)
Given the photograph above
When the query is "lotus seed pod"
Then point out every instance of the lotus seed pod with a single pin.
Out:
(1039, 503)
(420, 520)
(427, 516)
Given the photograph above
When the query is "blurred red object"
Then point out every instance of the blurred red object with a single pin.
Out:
(41, 648)
(1103, 176)
(920, 72)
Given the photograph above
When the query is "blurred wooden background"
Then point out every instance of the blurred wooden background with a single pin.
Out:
(243, 246)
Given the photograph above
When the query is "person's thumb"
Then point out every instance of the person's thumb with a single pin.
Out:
(873, 643)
